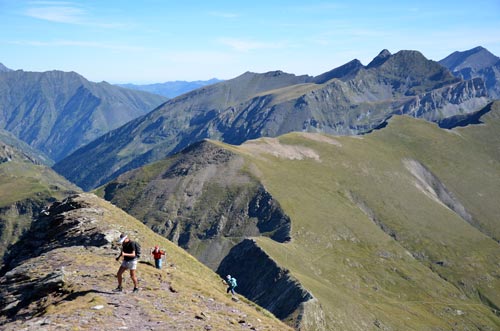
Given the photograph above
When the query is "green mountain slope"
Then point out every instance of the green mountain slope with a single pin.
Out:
(351, 99)
(57, 112)
(61, 276)
(395, 230)
(26, 187)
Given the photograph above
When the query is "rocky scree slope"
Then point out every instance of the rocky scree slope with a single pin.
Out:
(351, 99)
(60, 277)
(396, 229)
(57, 112)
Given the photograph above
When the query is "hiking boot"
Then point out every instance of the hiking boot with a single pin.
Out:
(135, 290)
(118, 289)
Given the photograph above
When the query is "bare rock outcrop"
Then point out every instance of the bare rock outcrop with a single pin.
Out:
(263, 281)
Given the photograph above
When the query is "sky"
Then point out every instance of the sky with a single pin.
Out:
(155, 41)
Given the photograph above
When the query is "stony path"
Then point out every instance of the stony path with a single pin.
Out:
(146, 309)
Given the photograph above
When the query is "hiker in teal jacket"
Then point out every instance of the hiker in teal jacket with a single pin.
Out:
(231, 283)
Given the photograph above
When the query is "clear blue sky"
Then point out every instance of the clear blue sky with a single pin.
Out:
(164, 40)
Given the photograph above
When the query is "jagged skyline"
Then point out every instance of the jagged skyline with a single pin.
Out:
(154, 41)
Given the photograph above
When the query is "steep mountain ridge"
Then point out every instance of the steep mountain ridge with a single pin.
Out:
(56, 112)
(396, 229)
(4, 68)
(61, 276)
(26, 187)
(275, 103)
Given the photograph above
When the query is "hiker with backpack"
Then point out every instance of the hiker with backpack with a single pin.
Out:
(231, 283)
(157, 254)
(131, 251)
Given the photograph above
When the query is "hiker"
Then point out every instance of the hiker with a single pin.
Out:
(130, 253)
(157, 253)
(231, 283)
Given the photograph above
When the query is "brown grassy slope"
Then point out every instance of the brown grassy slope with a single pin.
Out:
(79, 258)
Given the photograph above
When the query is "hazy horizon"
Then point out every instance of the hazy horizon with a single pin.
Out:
(156, 41)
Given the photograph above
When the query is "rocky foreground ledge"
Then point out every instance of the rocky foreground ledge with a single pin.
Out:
(60, 276)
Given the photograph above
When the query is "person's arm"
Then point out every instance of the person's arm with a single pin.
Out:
(119, 256)
(129, 254)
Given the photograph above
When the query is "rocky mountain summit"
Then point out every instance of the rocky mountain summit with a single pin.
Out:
(476, 63)
(351, 99)
(59, 276)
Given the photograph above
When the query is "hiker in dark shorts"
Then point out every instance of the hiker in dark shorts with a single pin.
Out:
(128, 253)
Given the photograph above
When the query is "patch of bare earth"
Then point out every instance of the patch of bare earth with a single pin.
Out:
(272, 146)
(320, 138)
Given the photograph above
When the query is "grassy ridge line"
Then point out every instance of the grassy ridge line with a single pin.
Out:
(347, 261)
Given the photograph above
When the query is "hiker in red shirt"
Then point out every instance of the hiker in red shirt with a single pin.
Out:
(157, 253)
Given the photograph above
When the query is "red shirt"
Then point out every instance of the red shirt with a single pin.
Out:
(157, 254)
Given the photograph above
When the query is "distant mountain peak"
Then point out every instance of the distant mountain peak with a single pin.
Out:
(479, 48)
(476, 58)
(384, 53)
(4, 68)
(345, 71)
(380, 59)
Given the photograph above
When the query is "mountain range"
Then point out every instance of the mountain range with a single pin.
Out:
(364, 198)
(351, 99)
(57, 112)
(171, 89)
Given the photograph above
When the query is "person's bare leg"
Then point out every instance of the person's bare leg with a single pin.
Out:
(119, 276)
(134, 278)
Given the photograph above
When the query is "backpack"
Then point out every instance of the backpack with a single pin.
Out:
(233, 282)
(137, 249)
